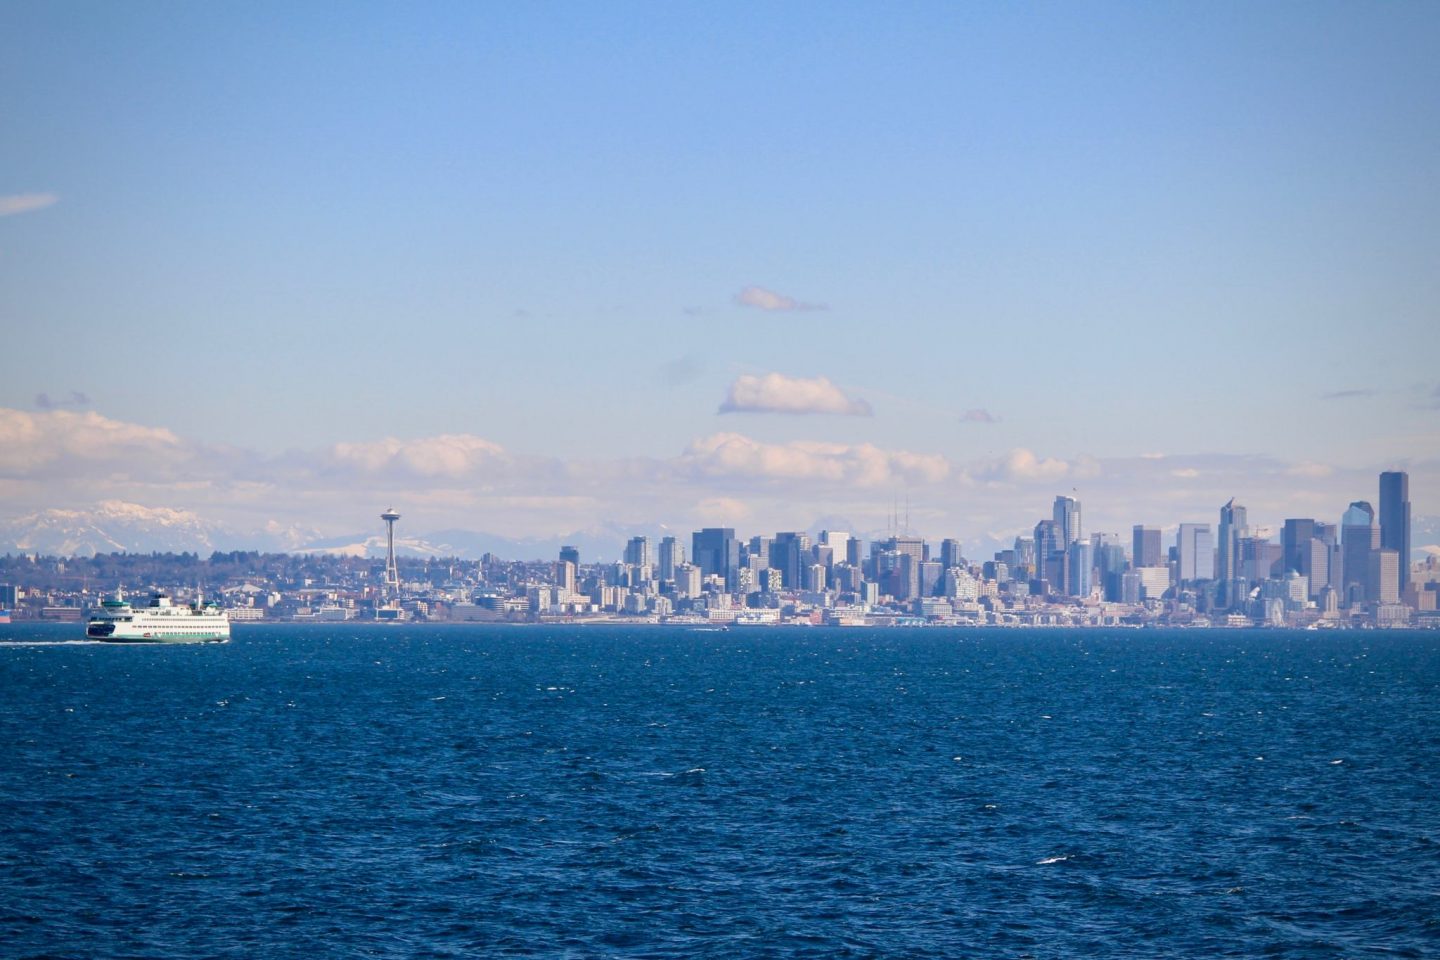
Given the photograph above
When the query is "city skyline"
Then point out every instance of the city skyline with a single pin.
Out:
(536, 270)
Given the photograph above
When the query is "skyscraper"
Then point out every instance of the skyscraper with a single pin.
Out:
(717, 553)
(1145, 547)
(1067, 520)
(1233, 527)
(1395, 520)
(1295, 540)
(672, 554)
(789, 553)
(1359, 536)
(637, 552)
(1081, 565)
(1195, 547)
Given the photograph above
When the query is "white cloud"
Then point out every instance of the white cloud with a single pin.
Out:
(762, 299)
(447, 455)
(733, 455)
(25, 202)
(722, 510)
(67, 459)
(776, 393)
(30, 441)
(1023, 465)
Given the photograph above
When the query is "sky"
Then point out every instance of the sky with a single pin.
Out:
(526, 268)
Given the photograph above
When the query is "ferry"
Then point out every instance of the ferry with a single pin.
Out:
(158, 621)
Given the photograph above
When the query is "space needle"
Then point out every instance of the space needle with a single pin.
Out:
(392, 573)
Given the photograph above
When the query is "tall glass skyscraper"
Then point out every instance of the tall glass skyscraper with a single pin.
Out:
(1067, 520)
(1395, 519)
(1359, 537)
(1233, 527)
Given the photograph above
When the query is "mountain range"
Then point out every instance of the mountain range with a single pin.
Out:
(116, 526)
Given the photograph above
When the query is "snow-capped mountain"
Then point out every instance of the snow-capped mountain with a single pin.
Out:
(110, 526)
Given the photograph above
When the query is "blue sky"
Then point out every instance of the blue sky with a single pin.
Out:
(1084, 232)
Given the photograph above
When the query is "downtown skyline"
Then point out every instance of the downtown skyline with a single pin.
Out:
(536, 270)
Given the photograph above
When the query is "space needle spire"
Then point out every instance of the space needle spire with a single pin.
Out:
(392, 573)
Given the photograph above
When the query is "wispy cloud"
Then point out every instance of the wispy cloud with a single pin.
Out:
(762, 299)
(75, 399)
(978, 415)
(1346, 394)
(25, 202)
(777, 393)
(683, 370)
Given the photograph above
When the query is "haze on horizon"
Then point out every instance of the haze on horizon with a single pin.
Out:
(530, 268)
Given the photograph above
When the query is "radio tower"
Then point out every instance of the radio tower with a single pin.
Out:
(392, 573)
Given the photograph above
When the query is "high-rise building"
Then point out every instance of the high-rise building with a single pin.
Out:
(717, 553)
(1233, 528)
(565, 579)
(950, 555)
(1395, 519)
(1145, 548)
(1050, 557)
(1110, 562)
(1260, 559)
(1024, 561)
(637, 552)
(672, 553)
(789, 554)
(1081, 565)
(1195, 551)
(1295, 540)
(1359, 535)
(1384, 576)
(839, 543)
(571, 554)
(1067, 520)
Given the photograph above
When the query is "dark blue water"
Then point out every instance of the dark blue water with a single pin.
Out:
(451, 791)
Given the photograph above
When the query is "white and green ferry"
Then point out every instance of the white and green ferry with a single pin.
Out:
(159, 621)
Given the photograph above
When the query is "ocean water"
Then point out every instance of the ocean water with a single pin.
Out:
(419, 791)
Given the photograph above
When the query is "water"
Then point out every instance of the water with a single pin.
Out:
(652, 792)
